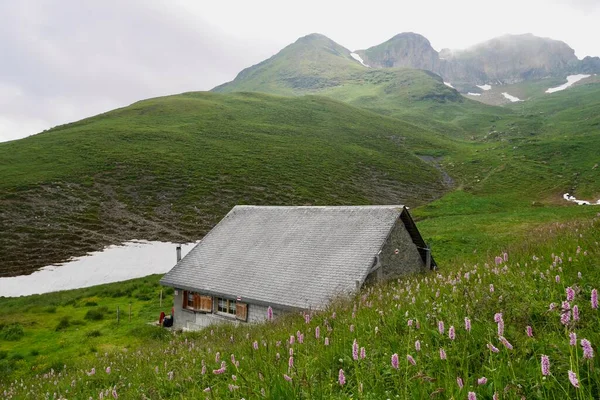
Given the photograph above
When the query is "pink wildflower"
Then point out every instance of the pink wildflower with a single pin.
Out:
(565, 318)
(352, 328)
(451, 332)
(505, 255)
(491, 288)
(108, 370)
(552, 306)
(363, 353)
(570, 293)
(497, 317)
(217, 357)
(255, 345)
(441, 327)
(472, 396)
(442, 354)
(326, 341)
(482, 380)
(307, 318)
(269, 313)
(287, 377)
(557, 278)
(459, 382)
(588, 351)
(495, 396)
(395, 360)
(575, 313)
(573, 379)
(411, 359)
(467, 324)
(493, 348)
(529, 331)
(292, 339)
(317, 332)
(418, 345)
(341, 377)
(501, 327)
(355, 350)
(291, 363)
(506, 343)
(566, 306)
(206, 390)
(115, 395)
(594, 299)
(545, 365)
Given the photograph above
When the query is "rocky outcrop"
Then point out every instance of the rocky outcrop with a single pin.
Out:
(506, 59)
(403, 50)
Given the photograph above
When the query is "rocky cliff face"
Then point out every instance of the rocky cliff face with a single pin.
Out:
(403, 50)
(506, 59)
(510, 59)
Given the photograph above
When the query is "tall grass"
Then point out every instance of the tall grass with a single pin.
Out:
(505, 314)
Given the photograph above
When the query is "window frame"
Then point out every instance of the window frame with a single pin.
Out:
(232, 308)
(197, 302)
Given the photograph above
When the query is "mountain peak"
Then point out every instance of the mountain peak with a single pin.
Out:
(406, 49)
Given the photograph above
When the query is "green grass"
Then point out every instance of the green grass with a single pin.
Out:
(58, 329)
(170, 168)
(385, 320)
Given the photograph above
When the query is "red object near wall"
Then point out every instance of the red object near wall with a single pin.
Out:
(162, 317)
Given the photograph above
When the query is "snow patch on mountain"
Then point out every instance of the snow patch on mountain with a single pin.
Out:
(571, 79)
(484, 87)
(359, 59)
(474, 94)
(572, 199)
(511, 98)
(448, 84)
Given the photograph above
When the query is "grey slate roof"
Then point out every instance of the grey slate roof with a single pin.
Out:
(296, 257)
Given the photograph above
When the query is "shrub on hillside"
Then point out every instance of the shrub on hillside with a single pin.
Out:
(12, 332)
(64, 323)
(96, 314)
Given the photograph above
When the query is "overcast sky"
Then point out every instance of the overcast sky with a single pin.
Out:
(61, 61)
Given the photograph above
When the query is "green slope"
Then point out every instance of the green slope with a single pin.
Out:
(170, 168)
(315, 64)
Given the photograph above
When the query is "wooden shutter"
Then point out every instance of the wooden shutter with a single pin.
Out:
(205, 303)
(185, 298)
(197, 300)
(241, 311)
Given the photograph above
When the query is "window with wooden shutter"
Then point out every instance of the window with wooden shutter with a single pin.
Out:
(241, 311)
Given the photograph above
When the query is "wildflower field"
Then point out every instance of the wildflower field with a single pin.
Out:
(523, 324)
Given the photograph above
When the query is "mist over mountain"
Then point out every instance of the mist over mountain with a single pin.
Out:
(315, 62)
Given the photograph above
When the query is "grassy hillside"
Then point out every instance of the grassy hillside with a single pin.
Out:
(481, 326)
(170, 168)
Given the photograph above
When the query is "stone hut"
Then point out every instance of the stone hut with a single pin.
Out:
(291, 259)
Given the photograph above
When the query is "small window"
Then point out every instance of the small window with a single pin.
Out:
(196, 302)
(234, 308)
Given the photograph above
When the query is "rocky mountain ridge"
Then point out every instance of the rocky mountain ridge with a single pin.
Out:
(315, 62)
(506, 59)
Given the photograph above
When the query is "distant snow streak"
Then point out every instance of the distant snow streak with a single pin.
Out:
(484, 87)
(359, 59)
(570, 198)
(474, 94)
(511, 98)
(571, 79)
(448, 84)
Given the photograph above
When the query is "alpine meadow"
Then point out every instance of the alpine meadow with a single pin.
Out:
(511, 312)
